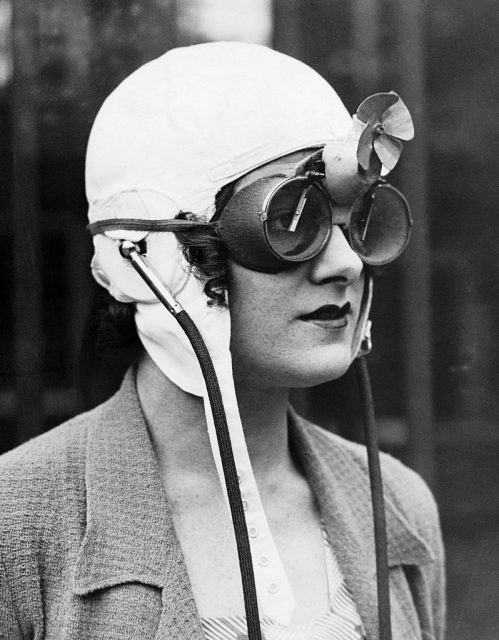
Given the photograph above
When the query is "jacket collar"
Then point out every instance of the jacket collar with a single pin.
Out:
(130, 535)
(339, 478)
(129, 530)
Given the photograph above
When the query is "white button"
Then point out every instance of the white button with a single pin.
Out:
(273, 587)
(239, 478)
(253, 532)
(263, 561)
(245, 505)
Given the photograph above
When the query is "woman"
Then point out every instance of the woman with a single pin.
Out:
(235, 176)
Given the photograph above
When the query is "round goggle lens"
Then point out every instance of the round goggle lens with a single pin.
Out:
(380, 225)
(298, 221)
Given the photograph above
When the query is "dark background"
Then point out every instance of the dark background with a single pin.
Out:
(435, 365)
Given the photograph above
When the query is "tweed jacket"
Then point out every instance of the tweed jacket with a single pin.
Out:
(88, 547)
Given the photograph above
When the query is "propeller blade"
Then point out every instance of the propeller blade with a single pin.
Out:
(372, 109)
(365, 147)
(388, 150)
(398, 122)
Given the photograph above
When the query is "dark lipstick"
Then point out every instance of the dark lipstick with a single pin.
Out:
(329, 315)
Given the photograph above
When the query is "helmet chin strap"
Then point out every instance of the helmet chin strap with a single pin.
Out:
(361, 341)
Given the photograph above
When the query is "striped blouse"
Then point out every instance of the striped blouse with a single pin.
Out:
(341, 622)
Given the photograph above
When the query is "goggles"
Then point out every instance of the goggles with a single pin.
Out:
(285, 216)
(275, 222)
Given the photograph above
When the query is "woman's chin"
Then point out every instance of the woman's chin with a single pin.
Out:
(300, 371)
(325, 364)
(328, 374)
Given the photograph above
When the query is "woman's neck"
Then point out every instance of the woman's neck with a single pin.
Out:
(178, 430)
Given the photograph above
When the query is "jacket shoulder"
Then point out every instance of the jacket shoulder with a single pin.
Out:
(59, 447)
(43, 478)
(404, 489)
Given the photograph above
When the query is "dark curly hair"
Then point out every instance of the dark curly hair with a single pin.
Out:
(203, 249)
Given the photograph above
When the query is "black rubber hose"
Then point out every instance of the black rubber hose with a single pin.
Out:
(380, 539)
(230, 474)
(130, 251)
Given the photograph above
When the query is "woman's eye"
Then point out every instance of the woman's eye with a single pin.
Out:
(281, 220)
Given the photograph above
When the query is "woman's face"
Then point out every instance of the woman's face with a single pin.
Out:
(295, 328)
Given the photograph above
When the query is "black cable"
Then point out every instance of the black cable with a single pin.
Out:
(230, 474)
(130, 251)
(380, 538)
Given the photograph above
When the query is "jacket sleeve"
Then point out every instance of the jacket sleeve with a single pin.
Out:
(21, 608)
(435, 575)
(9, 626)
(409, 494)
(427, 582)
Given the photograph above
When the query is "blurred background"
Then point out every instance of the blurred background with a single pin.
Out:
(435, 365)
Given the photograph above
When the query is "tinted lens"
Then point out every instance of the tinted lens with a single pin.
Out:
(298, 220)
(380, 225)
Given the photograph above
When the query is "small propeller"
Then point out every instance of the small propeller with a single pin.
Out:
(387, 121)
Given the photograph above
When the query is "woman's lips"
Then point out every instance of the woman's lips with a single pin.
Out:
(330, 316)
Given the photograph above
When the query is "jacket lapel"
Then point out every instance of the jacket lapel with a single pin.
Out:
(130, 536)
(342, 489)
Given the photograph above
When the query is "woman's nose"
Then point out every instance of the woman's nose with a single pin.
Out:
(337, 262)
